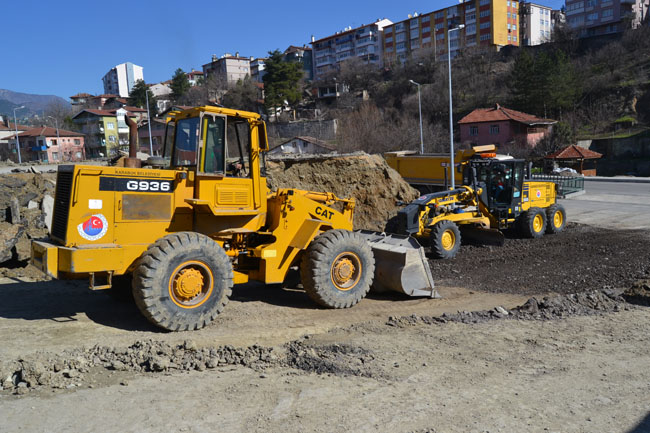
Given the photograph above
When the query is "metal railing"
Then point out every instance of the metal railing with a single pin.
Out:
(565, 184)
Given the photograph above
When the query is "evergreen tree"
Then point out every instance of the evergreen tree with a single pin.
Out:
(281, 82)
(138, 97)
(180, 84)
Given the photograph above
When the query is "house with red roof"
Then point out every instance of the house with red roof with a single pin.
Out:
(47, 144)
(579, 158)
(499, 125)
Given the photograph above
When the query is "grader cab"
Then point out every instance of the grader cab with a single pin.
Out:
(201, 219)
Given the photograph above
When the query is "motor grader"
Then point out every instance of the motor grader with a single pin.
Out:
(494, 195)
(201, 219)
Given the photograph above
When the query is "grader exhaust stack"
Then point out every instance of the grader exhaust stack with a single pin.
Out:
(400, 265)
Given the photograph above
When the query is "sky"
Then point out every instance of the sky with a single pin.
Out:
(66, 47)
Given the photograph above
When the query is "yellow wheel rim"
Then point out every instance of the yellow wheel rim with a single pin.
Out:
(558, 219)
(538, 223)
(191, 284)
(346, 271)
(448, 240)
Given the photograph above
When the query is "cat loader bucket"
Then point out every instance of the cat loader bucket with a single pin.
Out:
(400, 265)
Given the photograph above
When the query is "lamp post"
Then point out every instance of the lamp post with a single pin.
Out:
(420, 109)
(17, 139)
(451, 112)
(146, 93)
(56, 122)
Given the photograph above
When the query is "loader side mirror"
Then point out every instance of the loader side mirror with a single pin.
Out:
(262, 137)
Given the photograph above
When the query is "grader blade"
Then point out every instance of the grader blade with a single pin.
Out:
(400, 265)
(483, 236)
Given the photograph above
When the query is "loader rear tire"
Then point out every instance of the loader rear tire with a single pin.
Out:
(533, 223)
(445, 240)
(337, 269)
(183, 281)
(555, 219)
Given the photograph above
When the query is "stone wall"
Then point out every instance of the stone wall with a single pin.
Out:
(622, 156)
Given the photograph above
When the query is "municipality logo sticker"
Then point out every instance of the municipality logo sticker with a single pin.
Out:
(93, 228)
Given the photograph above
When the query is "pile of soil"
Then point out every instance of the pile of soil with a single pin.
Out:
(548, 308)
(581, 258)
(367, 178)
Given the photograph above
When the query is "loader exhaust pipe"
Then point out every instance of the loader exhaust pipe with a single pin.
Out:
(132, 161)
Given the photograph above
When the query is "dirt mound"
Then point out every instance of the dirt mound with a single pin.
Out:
(548, 308)
(373, 184)
(67, 370)
(579, 259)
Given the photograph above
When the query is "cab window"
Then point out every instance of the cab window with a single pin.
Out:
(238, 158)
(214, 144)
(185, 142)
(169, 139)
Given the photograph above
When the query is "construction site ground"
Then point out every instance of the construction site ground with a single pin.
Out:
(485, 358)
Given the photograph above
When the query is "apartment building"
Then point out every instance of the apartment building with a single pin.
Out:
(121, 79)
(600, 17)
(537, 23)
(258, 66)
(363, 42)
(228, 68)
(488, 23)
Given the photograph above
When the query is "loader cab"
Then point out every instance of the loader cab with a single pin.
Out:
(221, 151)
(502, 182)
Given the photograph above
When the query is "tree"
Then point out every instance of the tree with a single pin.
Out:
(281, 82)
(244, 96)
(138, 97)
(180, 84)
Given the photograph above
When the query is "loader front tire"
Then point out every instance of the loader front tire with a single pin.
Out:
(555, 219)
(533, 223)
(183, 281)
(445, 240)
(337, 269)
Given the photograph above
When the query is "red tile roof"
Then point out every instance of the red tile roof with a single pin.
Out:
(47, 131)
(499, 113)
(134, 109)
(12, 127)
(574, 152)
(97, 112)
(81, 95)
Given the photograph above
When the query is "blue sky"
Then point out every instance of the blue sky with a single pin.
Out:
(66, 47)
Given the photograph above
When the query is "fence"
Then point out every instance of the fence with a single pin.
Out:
(565, 184)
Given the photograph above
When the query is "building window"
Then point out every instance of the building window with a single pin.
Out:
(77, 142)
(494, 129)
(439, 15)
(470, 17)
(111, 138)
(607, 13)
(473, 131)
(110, 125)
(484, 14)
(426, 19)
(485, 25)
(484, 2)
(592, 17)
(485, 37)
(55, 156)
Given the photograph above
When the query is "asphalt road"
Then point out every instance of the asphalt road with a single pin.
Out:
(621, 205)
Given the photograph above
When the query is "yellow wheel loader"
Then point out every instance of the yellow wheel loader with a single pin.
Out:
(200, 220)
(494, 196)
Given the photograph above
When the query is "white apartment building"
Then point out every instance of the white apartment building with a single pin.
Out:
(537, 23)
(364, 42)
(228, 68)
(121, 79)
(599, 17)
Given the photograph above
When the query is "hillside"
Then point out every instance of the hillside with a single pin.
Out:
(34, 104)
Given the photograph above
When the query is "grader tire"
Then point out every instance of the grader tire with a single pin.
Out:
(337, 269)
(555, 219)
(445, 240)
(533, 223)
(183, 281)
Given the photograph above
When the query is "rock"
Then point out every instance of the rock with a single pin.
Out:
(47, 206)
(158, 363)
(26, 198)
(501, 310)
(9, 236)
(15, 210)
(32, 205)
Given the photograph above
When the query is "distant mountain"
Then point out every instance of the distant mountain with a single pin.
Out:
(34, 104)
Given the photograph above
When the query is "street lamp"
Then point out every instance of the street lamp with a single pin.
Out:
(451, 112)
(17, 139)
(420, 108)
(56, 121)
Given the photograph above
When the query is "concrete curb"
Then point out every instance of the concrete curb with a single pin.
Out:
(573, 194)
(618, 179)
